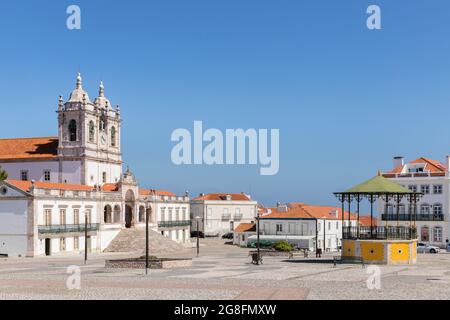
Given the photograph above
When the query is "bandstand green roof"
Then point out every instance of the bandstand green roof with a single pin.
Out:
(378, 185)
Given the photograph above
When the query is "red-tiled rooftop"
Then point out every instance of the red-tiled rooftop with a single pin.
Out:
(245, 227)
(26, 185)
(296, 210)
(28, 148)
(223, 196)
(147, 192)
(432, 166)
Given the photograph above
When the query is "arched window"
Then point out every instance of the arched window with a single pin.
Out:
(107, 217)
(113, 136)
(72, 130)
(116, 214)
(141, 214)
(91, 131)
(425, 234)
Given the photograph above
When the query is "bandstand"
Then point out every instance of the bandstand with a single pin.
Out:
(379, 244)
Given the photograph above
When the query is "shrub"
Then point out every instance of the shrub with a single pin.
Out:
(283, 246)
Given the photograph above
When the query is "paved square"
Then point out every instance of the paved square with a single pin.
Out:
(223, 272)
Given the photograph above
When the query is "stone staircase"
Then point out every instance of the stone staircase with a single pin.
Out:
(133, 240)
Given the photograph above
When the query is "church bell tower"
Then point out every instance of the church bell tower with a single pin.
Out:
(89, 138)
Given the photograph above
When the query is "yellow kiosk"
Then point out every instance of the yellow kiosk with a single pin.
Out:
(388, 244)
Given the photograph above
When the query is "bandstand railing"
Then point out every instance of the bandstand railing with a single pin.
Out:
(380, 233)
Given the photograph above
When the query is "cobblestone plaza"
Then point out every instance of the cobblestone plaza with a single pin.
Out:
(224, 272)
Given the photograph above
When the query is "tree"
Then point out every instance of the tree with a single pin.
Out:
(3, 174)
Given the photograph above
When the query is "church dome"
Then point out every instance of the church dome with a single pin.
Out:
(78, 94)
(101, 100)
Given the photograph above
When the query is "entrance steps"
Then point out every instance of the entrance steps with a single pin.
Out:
(133, 240)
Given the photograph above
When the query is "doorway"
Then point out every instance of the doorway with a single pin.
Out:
(128, 216)
(48, 247)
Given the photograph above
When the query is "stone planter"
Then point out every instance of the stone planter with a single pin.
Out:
(153, 263)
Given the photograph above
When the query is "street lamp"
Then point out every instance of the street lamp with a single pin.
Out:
(198, 235)
(257, 240)
(85, 237)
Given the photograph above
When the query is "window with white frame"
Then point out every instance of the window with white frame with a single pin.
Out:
(279, 227)
(437, 234)
(425, 188)
(437, 189)
(425, 208)
(48, 217)
(437, 209)
(62, 244)
(412, 187)
(163, 214)
(76, 243)
(62, 216)
(76, 216)
(47, 175)
(24, 175)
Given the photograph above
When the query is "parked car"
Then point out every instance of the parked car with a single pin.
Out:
(200, 234)
(228, 235)
(426, 248)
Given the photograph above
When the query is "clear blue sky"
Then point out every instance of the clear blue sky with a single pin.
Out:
(346, 99)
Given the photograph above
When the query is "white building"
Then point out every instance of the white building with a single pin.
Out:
(432, 179)
(219, 213)
(324, 223)
(54, 182)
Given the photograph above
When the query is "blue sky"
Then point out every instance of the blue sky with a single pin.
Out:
(346, 99)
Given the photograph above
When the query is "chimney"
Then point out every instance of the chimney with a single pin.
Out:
(334, 213)
(399, 161)
(282, 207)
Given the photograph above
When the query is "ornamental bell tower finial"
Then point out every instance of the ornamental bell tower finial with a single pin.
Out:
(79, 81)
(101, 90)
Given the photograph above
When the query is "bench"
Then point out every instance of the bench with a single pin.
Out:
(338, 259)
(302, 252)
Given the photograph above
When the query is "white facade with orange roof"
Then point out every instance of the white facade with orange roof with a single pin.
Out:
(54, 182)
(432, 179)
(324, 223)
(220, 213)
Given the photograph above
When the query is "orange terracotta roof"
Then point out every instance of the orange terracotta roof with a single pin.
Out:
(147, 192)
(365, 221)
(28, 148)
(245, 227)
(25, 185)
(222, 196)
(432, 166)
(110, 187)
(297, 210)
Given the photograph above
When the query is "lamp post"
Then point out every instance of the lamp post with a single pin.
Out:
(198, 235)
(85, 237)
(257, 240)
(147, 210)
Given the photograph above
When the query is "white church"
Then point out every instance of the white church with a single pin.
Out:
(57, 184)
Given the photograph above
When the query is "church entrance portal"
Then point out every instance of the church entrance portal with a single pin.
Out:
(128, 216)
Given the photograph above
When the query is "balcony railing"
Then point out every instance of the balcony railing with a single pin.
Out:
(380, 233)
(68, 228)
(226, 216)
(171, 224)
(416, 217)
(238, 216)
